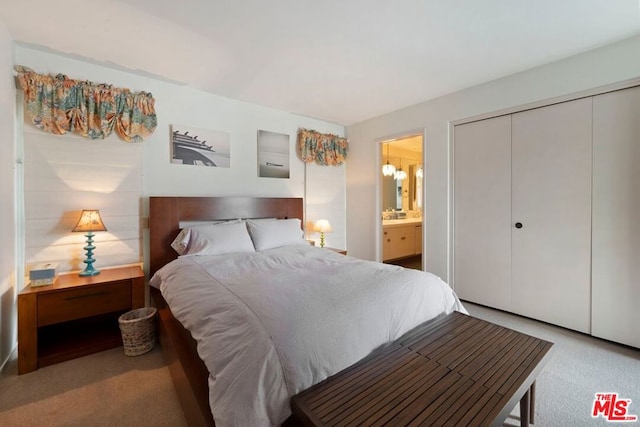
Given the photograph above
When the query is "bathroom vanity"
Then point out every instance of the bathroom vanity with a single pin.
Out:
(401, 238)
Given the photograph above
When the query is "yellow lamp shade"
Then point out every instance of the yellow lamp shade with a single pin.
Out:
(90, 220)
(322, 226)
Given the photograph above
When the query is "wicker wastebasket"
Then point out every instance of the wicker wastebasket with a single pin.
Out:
(138, 329)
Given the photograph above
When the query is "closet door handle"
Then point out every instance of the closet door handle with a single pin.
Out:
(518, 225)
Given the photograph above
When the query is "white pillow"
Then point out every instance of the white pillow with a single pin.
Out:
(181, 242)
(220, 239)
(272, 234)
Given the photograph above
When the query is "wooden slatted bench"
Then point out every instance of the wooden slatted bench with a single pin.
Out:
(454, 370)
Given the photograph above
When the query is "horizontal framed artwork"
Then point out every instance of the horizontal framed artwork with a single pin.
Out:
(200, 147)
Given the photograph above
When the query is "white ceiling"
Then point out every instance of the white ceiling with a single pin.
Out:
(342, 61)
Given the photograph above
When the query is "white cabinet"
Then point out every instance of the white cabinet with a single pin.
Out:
(401, 240)
(531, 169)
(616, 217)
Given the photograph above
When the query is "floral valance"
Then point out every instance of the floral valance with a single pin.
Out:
(323, 148)
(59, 105)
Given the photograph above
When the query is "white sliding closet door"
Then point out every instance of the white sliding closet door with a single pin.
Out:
(616, 216)
(482, 212)
(551, 199)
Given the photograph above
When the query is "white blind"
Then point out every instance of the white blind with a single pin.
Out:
(326, 198)
(65, 174)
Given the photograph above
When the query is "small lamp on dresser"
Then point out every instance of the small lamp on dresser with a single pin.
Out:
(89, 222)
(322, 226)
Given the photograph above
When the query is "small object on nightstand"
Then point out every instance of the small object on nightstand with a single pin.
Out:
(43, 274)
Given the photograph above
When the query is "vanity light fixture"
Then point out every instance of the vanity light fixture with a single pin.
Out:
(400, 174)
(89, 222)
(388, 169)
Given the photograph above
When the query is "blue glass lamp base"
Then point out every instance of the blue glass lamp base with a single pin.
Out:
(89, 270)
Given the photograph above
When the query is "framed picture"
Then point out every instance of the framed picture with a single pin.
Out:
(273, 155)
(200, 147)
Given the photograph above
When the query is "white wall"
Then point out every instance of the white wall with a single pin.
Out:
(588, 70)
(182, 105)
(7, 199)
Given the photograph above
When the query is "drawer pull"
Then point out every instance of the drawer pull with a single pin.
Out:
(403, 238)
(95, 294)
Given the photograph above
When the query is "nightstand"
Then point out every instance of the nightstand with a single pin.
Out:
(75, 316)
(340, 251)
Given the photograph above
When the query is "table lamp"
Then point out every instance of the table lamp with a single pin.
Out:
(322, 226)
(89, 222)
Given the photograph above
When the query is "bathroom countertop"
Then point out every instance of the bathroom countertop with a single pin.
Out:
(407, 221)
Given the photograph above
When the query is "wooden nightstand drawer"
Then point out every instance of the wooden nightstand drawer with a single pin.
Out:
(336, 250)
(83, 302)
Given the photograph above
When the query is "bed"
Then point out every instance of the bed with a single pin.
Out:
(271, 323)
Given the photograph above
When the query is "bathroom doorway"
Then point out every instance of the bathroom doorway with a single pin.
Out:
(402, 183)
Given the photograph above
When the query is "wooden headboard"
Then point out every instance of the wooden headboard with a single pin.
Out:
(165, 214)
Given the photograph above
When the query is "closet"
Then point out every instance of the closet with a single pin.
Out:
(616, 217)
(543, 208)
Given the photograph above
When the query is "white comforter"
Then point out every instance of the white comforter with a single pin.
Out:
(270, 324)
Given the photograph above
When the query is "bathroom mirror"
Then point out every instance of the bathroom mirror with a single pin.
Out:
(402, 194)
(390, 194)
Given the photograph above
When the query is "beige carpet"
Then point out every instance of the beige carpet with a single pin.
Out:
(103, 389)
(110, 389)
(579, 367)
